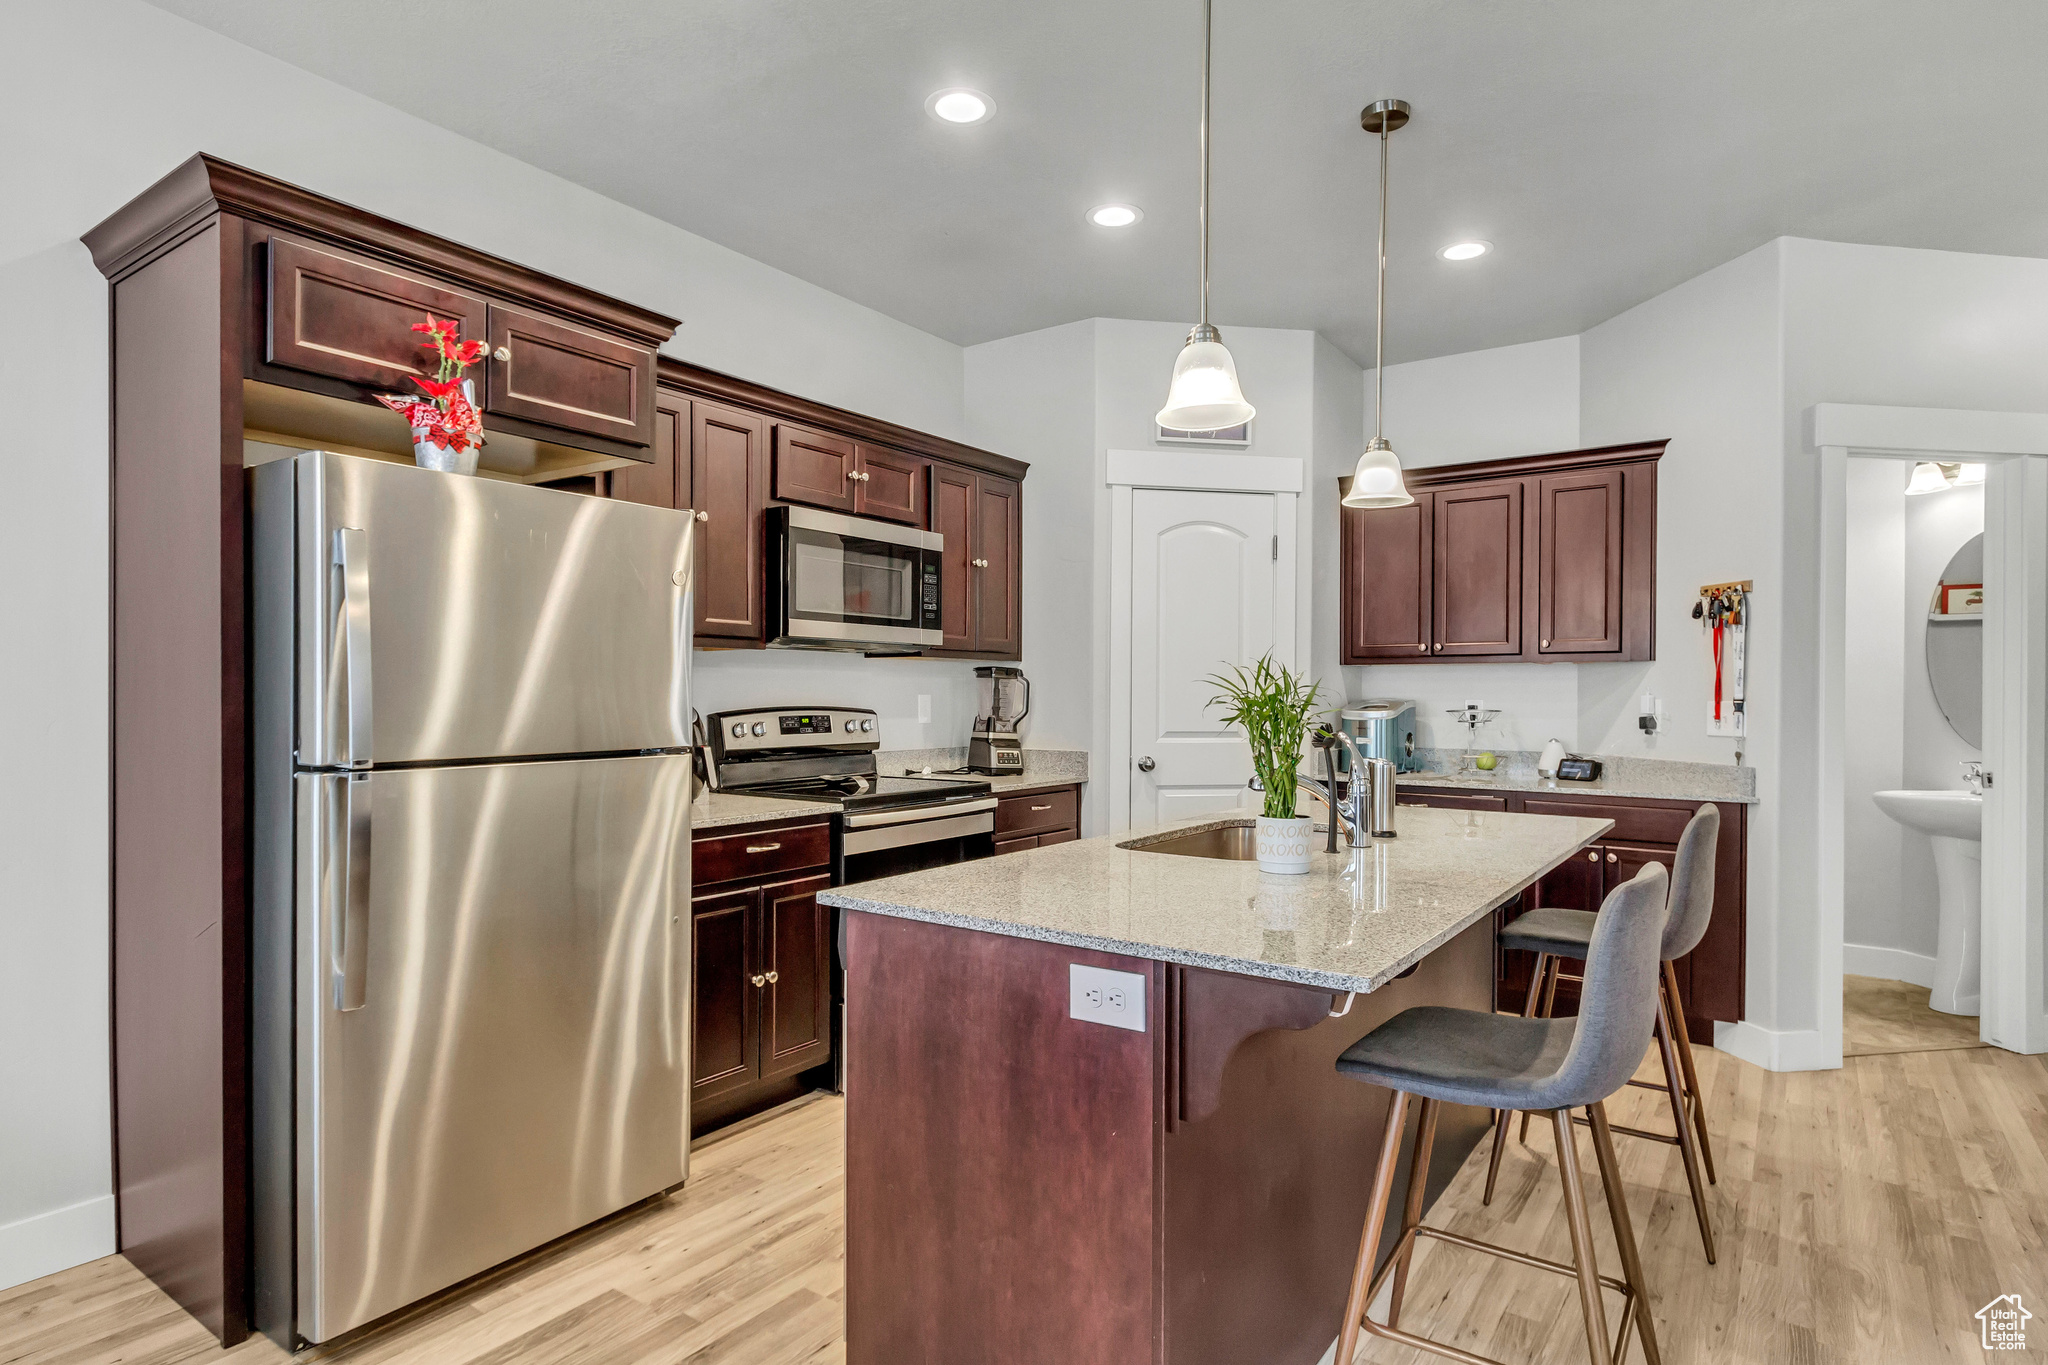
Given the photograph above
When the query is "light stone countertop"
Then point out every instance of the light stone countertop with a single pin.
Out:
(1354, 922)
(728, 808)
(1622, 775)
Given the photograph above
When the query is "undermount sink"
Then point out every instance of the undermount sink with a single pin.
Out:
(1955, 822)
(1946, 815)
(1237, 842)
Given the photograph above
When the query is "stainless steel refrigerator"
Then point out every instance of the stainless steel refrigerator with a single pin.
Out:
(471, 779)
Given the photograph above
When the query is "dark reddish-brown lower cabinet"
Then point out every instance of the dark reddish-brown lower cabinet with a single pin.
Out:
(761, 969)
(1037, 819)
(1023, 1188)
(1388, 567)
(1711, 977)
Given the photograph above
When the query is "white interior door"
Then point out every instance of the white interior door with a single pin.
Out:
(1204, 581)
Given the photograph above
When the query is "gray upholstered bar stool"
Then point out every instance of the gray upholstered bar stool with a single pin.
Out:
(1556, 935)
(1498, 1061)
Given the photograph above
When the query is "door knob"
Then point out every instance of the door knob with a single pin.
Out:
(1145, 764)
(502, 354)
(760, 980)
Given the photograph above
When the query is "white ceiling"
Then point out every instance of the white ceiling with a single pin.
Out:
(1609, 148)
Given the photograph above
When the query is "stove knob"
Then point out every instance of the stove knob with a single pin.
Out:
(866, 726)
(739, 729)
(759, 729)
(851, 726)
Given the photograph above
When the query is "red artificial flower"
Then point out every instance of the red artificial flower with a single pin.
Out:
(468, 353)
(439, 388)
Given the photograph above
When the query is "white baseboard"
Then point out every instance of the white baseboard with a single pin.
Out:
(1888, 964)
(46, 1243)
(1792, 1050)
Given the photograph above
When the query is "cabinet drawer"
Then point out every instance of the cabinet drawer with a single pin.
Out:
(342, 317)
(1632, 823)
(766, 853)
(551, 373)
(1451, 800)
(1037, 812)
(1017, 845)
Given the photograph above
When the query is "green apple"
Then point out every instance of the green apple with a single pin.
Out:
(1486, 762)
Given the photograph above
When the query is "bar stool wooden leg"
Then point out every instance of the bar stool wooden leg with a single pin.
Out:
(1582, 1237)
(1683, 1127)
(1692, 1079)
(1549, 1008)
(1375, 1220)
(1624, 1240)
(1418, 1181)
(1500, 1126)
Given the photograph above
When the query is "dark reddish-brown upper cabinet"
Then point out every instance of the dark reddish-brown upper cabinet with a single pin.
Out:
(1477, 555)
(551, 374)
(341, 316)
(1388, 569)
(891, 485)
(1545, 559)
(665, 480)
(998, 566)
(1578, 578)
(952, 516)
(981, 566)
(729, 490)
(815, 468)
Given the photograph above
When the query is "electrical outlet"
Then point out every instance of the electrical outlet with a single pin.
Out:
(924, 709)
(1100, 996)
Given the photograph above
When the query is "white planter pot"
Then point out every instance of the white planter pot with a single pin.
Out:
(1284, 845)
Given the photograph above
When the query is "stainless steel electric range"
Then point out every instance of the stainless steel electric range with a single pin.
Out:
(827, 754)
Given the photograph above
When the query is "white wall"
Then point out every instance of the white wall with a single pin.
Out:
(1482, 405)
(117, 94)
(1875, 927)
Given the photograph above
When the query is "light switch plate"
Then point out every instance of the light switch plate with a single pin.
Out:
(1100, 996)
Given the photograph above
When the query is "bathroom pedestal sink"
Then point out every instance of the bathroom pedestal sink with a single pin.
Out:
(1955, 822)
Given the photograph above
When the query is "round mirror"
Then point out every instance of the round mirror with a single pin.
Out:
(1955, 646)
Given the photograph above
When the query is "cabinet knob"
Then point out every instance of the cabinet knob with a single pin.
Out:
(864, 476)
(703, 516)
(852, 475)
(760, 980)
(1592, 855)
(1422, 649)
(1543, 644)
(502, 354)
(1614, 857)
(1439, 649)
(774, 977)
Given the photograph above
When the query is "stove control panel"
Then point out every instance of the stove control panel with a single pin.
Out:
(734, 732)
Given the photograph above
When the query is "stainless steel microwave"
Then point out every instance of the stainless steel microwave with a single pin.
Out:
(837, 582)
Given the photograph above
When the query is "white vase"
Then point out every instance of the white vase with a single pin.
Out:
(1284, 845)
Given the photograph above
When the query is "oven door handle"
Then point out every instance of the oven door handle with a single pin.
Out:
(876, 819)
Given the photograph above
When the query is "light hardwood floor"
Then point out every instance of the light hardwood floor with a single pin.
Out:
(1881, 1016)
(1864, 1215)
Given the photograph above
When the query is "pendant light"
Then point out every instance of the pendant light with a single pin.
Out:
(1204, 395)
(1929, 477)
(1377, 480)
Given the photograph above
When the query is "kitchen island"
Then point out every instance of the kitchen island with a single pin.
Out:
(1185, 1185)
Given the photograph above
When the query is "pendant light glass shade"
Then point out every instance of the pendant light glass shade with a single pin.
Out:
(1204, 395)
(1377, 480)
(1928, 477)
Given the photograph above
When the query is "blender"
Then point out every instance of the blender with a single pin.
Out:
(1005, 701)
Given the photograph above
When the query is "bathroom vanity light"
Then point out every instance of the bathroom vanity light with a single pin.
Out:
(1376, 482)
(1204, 395)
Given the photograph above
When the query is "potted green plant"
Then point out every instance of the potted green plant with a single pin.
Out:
(1273, 706)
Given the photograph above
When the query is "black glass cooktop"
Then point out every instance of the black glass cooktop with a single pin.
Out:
(877, 793)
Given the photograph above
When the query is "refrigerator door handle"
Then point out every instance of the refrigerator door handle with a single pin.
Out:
(352, 558)
(352, 925)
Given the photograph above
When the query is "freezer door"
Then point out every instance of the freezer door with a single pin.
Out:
(492, 987)
(446, 618)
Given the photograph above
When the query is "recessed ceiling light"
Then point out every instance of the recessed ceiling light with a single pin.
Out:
(1465, 251)
(1114, 215)
(960, 105)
